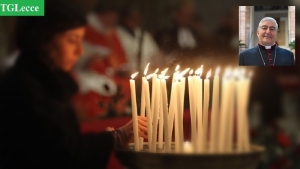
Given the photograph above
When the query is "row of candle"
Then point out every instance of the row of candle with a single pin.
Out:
(214, 134)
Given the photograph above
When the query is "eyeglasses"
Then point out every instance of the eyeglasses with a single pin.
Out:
(265, 28)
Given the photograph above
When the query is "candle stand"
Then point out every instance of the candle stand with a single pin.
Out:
(160, 160)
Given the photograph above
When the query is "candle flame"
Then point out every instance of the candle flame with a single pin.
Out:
(156, 70)
(227, 72)
(178, 77)
(199, 71)
(235, 72)
(146, 69)
(177, 68)
(184, 72)
(191, 72)
(243, 72)
(164, 71)
(149, 76)
(217, 71)
(133, 75)
(208, 74)
(166, 77)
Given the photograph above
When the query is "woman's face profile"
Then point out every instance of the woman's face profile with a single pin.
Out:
(66, 48)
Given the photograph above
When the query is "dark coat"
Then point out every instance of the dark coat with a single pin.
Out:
(38, 125)
(252, 57)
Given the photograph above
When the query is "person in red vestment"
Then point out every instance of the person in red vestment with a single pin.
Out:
(106, 58)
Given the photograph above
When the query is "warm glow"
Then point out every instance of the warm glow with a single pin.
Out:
(227, 72)
(166, 77)
(164, 71)
(199, 71)
(208, 74)
(149, 76)
(236, 72)
(146, 69)
(133, 75)
(156, 70)
(217, 71)
(184, 72)
(177, 68)
(178, 77)
(242, 72)
(191, 72)
(186, 143)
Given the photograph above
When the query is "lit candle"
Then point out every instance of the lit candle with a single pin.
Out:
(173, 100)
(161, 118)
(224, 111)
(176, 118)
(180, 96)
(240, 116)
(165, 114)
(205, 109)
(161, 112)
(247, 82)
(175, 73)
(199, 110)
(134, 112)
(154, 77)
(155, 112)
(214, 113)
(143, 97)
(148, 110)
(192, 109)
(172, 108)
(230, 115)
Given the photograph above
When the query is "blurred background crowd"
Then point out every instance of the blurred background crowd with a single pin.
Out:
(122, 36)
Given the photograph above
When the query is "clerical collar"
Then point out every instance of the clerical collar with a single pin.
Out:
(267, 47)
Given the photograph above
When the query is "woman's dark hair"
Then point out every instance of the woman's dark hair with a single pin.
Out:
(103, 6)
(33, 32)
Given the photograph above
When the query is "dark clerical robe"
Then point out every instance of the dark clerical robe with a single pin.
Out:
(260, 56)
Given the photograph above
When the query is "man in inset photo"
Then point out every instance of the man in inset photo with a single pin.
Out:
(267, 52)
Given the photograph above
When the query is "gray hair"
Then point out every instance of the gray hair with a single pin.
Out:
(268, 19)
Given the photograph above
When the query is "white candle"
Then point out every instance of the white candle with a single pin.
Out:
(199, 109)
(180, 106)
(192, 109)
(181, 136)
(143, 109)
(230, 116)
(148, 110)
(165, 113)
(205, 109)
(224, 112)
(214, 113)
(172, 108)
(240, 119)
(177, 102)
(155, 113)
(134, 112)
(161, 118)
(143, 97)
(154, 77)
(247, 82)
(173, 102)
